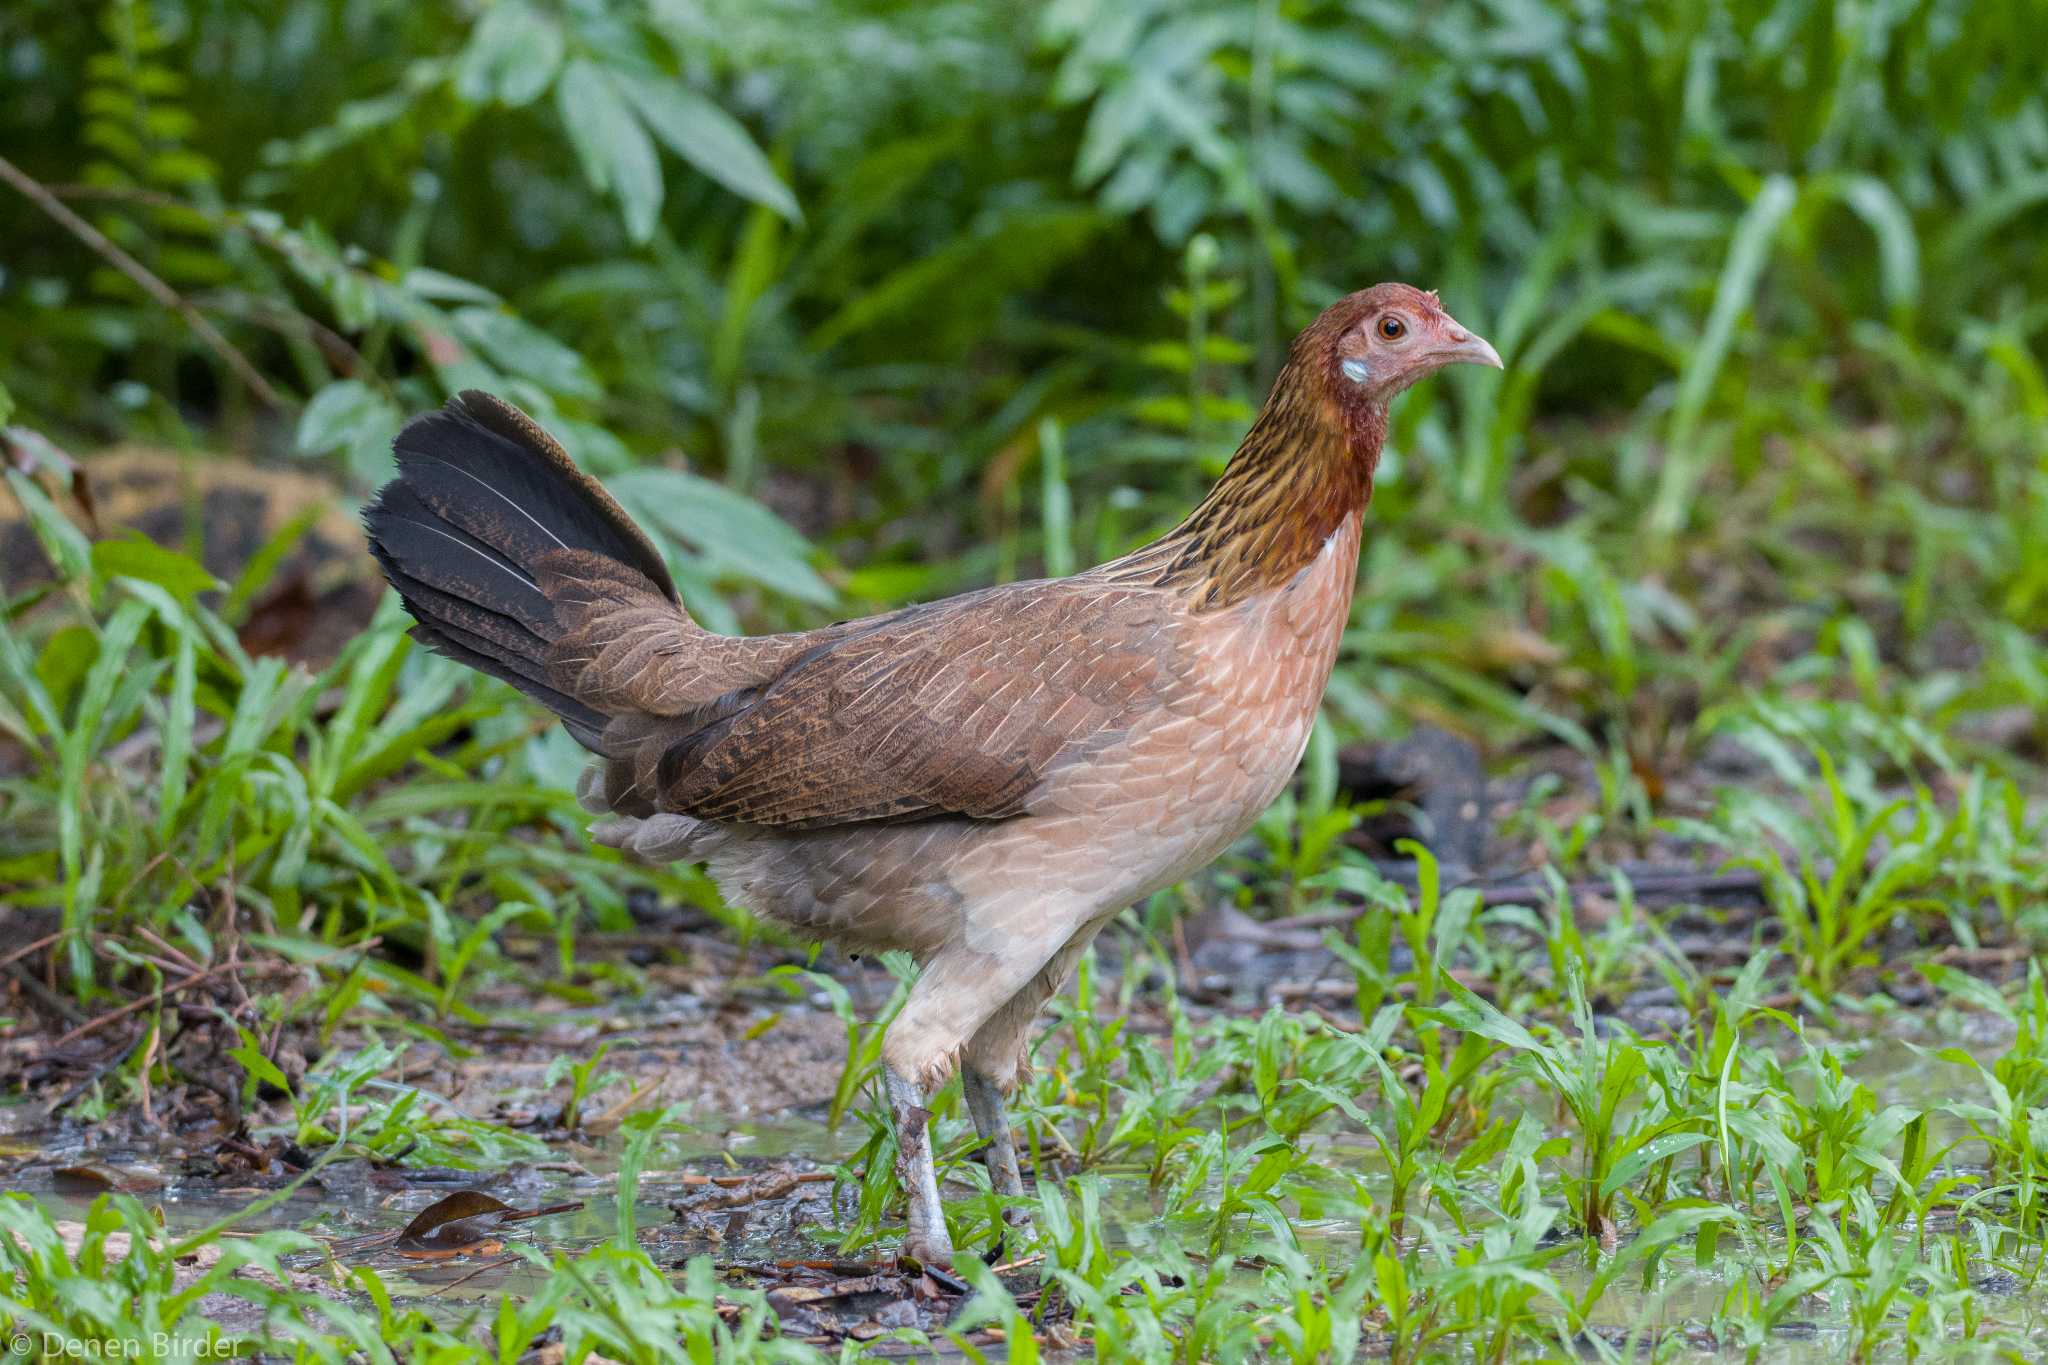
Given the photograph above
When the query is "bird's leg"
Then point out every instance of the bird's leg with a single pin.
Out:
(993, 1063)
(992, 1121)
(947, 1020)
(925, 1239)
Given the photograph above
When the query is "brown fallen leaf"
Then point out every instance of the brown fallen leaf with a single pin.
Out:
(460, 1221)
(91, 1176)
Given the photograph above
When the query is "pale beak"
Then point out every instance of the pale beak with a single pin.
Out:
(1461, 345)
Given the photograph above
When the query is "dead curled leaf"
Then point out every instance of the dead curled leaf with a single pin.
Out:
(94, 1176)
(462, 1221)
(445, 1222)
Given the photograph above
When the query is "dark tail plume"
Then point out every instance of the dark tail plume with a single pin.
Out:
(487, 512)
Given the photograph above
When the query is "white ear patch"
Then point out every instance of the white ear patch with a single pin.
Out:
(1356, 369)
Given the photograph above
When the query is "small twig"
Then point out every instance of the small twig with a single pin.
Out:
(140, 1002)
(609, 1119)
(255, 1155)
(1033, 1259)
(45, 941)
(175, 964)
(334, 348)
(147, 867)
(144, 279)
(546, 1211)
(498, 1264)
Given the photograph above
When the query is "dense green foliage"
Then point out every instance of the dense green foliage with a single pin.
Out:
(966, 291)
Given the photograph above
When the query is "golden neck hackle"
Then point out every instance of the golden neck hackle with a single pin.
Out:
(1304, 467)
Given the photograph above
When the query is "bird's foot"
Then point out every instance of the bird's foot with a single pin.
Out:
(1013, 1235)
(992, 1120)
(933, 1248)
(1017, 1219)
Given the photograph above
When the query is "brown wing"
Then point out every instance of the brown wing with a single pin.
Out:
(957, 708)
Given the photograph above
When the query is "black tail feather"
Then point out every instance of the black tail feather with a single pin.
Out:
(411, 538)
(484, 466)
(483, 499)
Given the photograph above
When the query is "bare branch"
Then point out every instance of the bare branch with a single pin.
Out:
(144, 279)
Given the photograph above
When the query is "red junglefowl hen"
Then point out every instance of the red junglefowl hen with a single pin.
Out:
(982, 781)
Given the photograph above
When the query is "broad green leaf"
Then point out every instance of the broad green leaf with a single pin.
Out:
(710, 139)
(1649, 1154)
(617, 155)
(523, 349)
(343, 414)
(136, 556)
(511, 57)
(1470, 1013)
(730, 530)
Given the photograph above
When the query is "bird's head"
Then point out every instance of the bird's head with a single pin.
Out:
(1378, 341)
(1307, 464)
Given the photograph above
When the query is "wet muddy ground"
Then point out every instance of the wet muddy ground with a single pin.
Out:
(747, 1056)
(750, 1176)
(747, 1177)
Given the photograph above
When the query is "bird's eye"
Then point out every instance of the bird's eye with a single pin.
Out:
(1392, 328)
